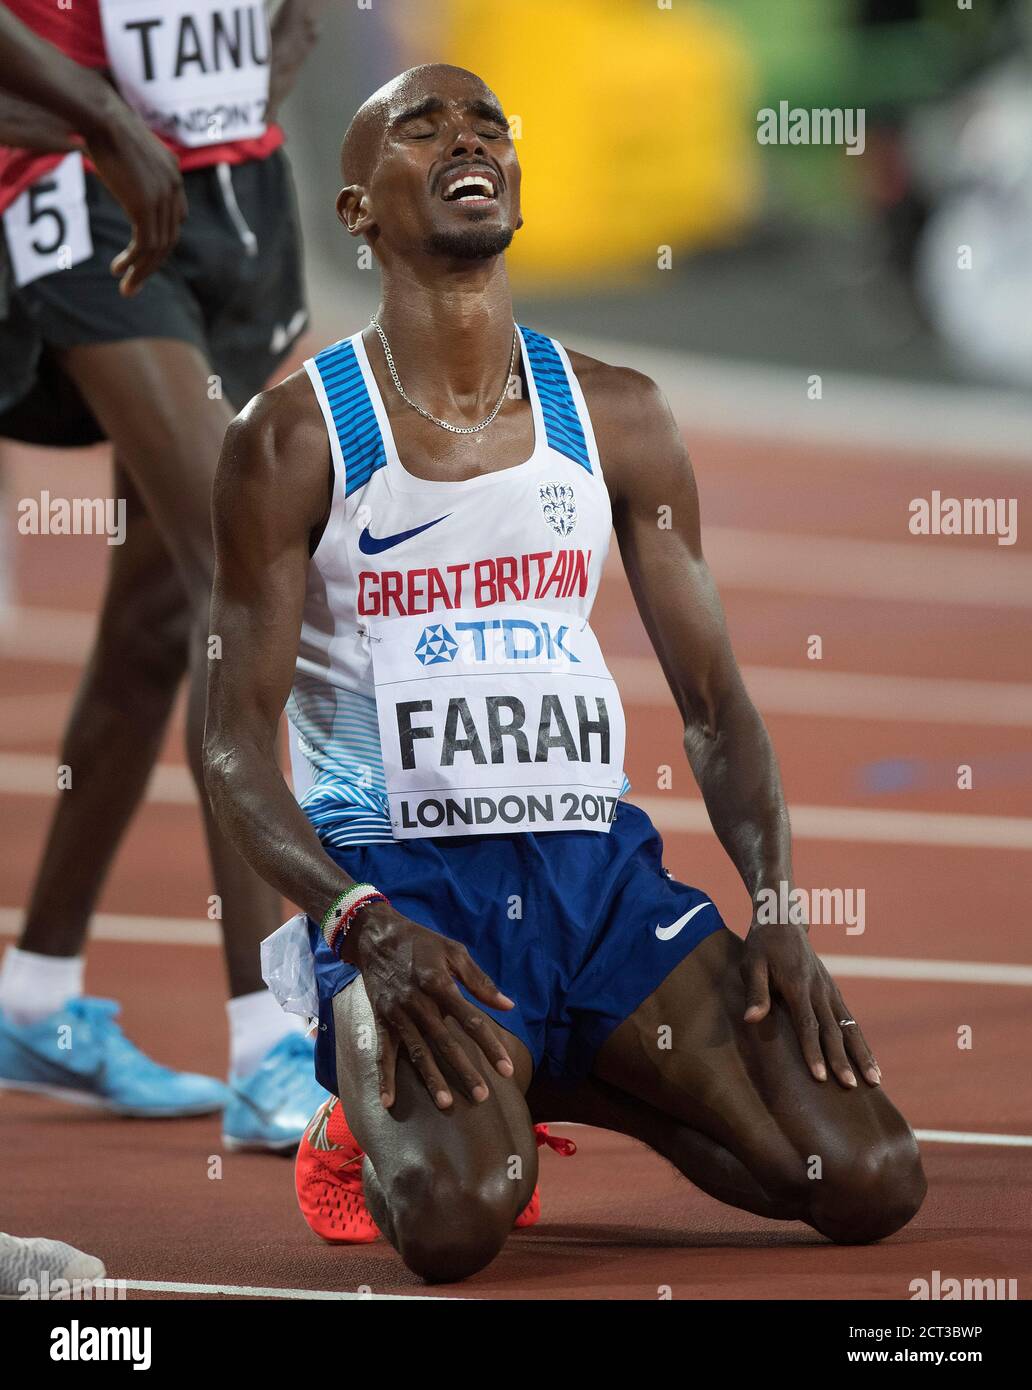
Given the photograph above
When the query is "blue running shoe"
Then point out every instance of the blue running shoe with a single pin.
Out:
(272, 1105)
(80, 1053)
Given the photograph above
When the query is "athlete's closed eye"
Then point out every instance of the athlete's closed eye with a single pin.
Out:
(416, 122)
(424, 132)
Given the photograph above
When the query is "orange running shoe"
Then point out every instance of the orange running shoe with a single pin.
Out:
(328, 1179)
(531, 1213)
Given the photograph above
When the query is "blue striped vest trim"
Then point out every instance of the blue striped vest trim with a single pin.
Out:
(353, 414)
(562, 423)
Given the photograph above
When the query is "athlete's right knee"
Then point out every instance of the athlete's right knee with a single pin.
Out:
(448, 1224)
(145, 634)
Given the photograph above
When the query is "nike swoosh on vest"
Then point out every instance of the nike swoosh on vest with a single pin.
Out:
(371, 545)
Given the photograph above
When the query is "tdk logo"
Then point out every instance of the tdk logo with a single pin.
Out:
(436, 645)
(495, 640)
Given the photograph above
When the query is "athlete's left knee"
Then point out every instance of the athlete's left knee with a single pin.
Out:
(447, 1224)
(872, 1192)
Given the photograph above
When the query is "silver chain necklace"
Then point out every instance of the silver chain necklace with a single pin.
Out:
(453, 429)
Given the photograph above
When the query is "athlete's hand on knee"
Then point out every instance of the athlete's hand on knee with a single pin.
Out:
(410, 975)
(780, 957)
(144, 177)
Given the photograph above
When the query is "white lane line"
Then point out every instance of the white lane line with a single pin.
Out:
(249, 1291)
(975, 427)
(34, 774)
(959, 1136)
(928, 1136)
(928, 569)
(56, 635)
(122, 926)
(188, 931)
(969, 972)
(923, 569)
(847, 694)
(775, 689)
(854, 823)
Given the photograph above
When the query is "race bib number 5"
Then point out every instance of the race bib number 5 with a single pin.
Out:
(496, 722)
(48, 226)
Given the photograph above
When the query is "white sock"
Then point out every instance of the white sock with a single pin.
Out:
(256, 1023)
(33, 986)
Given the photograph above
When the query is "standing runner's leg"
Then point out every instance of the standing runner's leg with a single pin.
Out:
(115, 729)
(111, 744)
(760, 1132)
(151, 397)
(444, 1186)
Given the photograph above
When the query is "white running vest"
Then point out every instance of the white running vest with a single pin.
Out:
(448, 681)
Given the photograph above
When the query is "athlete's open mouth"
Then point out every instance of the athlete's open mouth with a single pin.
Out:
(475, 188)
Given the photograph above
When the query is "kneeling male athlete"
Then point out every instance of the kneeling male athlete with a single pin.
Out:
(409, 551)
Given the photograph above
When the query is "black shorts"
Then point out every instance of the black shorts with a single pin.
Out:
(233, 286)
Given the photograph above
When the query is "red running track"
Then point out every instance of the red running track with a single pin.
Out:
(617, 1221)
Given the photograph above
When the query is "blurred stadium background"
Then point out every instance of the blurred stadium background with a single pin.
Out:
(636, 123)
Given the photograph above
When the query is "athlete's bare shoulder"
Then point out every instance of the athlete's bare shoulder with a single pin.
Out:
(278, 448)
(601, 378)
(284, 423)
(631, 421)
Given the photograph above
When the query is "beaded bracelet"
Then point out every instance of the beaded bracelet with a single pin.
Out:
(341, 912)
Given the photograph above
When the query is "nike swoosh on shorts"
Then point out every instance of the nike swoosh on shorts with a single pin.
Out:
(371, 545)
(665, 933)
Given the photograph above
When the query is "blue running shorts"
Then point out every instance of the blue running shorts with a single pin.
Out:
(577, 927)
